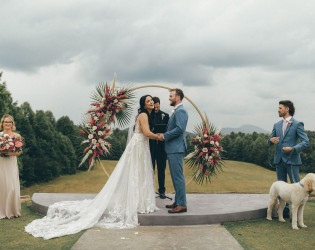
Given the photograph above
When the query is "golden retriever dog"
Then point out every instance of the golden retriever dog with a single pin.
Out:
(295, 194)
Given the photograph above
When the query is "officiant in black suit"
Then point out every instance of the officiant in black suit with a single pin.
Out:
(157, 148)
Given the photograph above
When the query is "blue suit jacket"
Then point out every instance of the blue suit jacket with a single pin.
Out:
(290, 138)
(175, 141)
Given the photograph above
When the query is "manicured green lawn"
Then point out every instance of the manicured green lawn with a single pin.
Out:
(13, 236)
(264, 234)
(237, 177)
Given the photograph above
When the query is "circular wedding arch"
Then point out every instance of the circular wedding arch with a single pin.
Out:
(164, 87)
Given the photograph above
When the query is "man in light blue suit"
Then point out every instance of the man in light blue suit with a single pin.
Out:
(285, 135)
(175, 148)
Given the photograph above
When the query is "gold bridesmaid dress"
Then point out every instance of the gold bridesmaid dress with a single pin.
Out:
(10, 204)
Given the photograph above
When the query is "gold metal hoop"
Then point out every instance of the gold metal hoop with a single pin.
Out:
(164, 87)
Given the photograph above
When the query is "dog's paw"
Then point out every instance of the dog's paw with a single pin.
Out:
(304, 226)
(282, 220)
(295, 228)
(269, 218)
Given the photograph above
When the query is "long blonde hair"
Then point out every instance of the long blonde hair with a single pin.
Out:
(11, 118)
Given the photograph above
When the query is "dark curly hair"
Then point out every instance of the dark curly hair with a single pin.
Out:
(290, 105)
(142, 109)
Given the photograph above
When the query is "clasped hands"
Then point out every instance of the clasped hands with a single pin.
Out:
(160, 137)
(275, 140)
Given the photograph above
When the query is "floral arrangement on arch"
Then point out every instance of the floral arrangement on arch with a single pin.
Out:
(109, 106)
(10, 144)
(206, 158)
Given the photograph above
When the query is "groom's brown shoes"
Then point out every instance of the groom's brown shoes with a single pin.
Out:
(171, 206)
(178, 209)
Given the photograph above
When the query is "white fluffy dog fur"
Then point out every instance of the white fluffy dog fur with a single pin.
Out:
(295, 194)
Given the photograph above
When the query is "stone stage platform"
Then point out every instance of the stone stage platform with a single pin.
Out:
(202, 208)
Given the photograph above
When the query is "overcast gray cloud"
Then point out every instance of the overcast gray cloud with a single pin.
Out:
(234, 59)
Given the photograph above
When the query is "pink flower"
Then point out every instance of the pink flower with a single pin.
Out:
(18, 144)
(216, 138)
(207, 172)
(201, 167)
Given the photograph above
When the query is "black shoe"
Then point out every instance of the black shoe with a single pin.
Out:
(162, 196)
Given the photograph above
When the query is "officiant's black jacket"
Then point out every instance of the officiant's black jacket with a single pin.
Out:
(160, 123)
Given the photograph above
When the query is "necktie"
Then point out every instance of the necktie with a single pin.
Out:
(283, 126)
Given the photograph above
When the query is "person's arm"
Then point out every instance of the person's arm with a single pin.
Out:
(14, 153)
(303, 138)
(273, 139)
(144, 123)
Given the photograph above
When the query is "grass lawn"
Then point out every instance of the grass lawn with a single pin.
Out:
(237, 177)
(264, 234)
(13, 236)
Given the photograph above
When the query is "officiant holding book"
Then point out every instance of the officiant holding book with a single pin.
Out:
(157, 148)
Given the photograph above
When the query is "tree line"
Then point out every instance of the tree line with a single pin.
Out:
(253, 148)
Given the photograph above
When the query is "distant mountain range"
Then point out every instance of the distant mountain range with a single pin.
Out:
(247, 129)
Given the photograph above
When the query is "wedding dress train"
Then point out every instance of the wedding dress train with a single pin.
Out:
(129, 190)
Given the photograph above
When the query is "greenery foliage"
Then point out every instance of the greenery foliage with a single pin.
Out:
(253, 148)
(52, 148)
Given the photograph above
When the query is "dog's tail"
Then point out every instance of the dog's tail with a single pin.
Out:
(273, 197)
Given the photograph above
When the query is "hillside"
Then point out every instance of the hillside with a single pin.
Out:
(239, 177)
(247, 129)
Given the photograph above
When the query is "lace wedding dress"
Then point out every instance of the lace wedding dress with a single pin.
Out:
(129, 190)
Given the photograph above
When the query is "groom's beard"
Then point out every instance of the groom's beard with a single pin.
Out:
(173, 103)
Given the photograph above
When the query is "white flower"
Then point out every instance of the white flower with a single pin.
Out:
(94, 147)
(163, 116)
(90, 152)
(205, 136)
(90, 136)
(211, 142)
(205, 150)
(94, 128)
(93, 141)
(173, 111)
(101, 141)
(207, 156)
(217, 143)
(96, 118)
(100, 133)
(115, 101)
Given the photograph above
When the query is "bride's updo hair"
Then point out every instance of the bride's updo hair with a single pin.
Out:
(142, 109)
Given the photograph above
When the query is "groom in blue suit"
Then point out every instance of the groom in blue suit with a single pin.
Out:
(175, 148)
(285, 135)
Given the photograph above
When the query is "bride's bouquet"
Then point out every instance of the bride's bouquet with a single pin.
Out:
(10, 144)
(206, 157)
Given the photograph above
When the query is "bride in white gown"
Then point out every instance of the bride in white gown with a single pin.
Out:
(129, 190)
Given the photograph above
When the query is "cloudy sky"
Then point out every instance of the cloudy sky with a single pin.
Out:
(234, 59)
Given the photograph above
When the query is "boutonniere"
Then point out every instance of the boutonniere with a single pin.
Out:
(289, 123)
(163, 116)
(173, 111)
